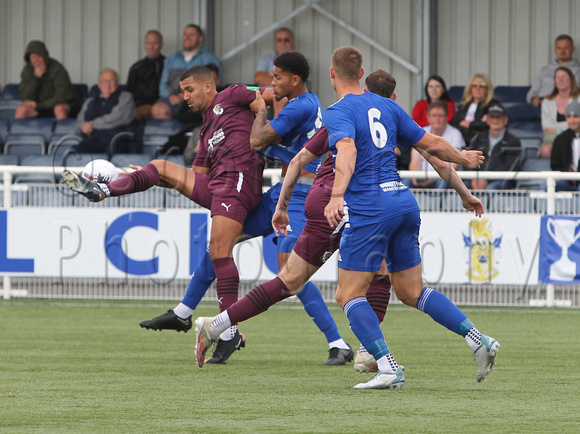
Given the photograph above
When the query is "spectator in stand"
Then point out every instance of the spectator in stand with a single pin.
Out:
(45, 87)
(566, 152)
(501, 149)
(283, 42)
(554, 106)
(544, 83)
(435, 90)
(105, 116)
(215, 73)
(145, 75)
(437, 115)
(470, 116)
(171, 99)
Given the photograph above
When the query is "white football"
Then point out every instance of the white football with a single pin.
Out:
(101, 171)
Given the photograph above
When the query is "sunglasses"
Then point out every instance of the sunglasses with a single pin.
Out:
(283, 39)
(483, 86)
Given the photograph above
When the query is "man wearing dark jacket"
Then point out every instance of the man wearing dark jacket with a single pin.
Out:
(45, 87)
(145, 74)
(501, 149)
(566, 149)
(105, 117)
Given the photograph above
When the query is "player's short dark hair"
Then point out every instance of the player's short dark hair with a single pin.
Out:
(213, 67)
(199, 73)
(347, 62)
(295, 63)
(381, 82)
(565, 36)
(438, 104)
(196, 27)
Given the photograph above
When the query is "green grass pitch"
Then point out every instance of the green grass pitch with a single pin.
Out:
(89, 367)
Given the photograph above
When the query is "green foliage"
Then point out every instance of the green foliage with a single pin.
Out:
(86, 367)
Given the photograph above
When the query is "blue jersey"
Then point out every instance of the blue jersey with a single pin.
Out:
(296, 124)
(376, 124)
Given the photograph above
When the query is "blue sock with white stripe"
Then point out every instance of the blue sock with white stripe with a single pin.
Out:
(365, 325)
(201, 280)
(317, 309)
(443, 311)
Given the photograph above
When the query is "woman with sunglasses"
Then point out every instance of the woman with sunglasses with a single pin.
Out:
(470, 117)
(435, 90)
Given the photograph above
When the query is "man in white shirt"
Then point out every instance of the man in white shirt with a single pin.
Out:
(437, 117)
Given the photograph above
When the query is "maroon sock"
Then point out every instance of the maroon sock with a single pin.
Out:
(378, 295)
(227, 281)
(258, 300)
(140, 180)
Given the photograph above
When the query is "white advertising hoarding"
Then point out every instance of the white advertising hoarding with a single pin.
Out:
(164, 245)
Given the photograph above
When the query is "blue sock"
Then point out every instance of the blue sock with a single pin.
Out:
(201, 280)
(365, 325)
(317, 309)
(443, 311)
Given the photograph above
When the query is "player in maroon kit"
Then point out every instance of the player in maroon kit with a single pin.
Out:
(226, 176)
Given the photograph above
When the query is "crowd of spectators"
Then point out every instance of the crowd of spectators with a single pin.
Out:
(477, 121)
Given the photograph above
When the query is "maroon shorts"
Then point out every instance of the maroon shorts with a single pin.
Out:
(232, 194)
(318, 241)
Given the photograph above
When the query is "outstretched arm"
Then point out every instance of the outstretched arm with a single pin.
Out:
(280, 218)
(450, 176)
(442, 149)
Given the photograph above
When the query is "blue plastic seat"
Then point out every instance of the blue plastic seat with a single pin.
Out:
(456, 93)
(166, 127)
(36, 178)
(534, 165)
(4, 126)
(65, 126)
(82, 89)
(7, 112)
(511, 94)
(75, 159)
(24, 144)
(10, 91)
(42, 126)
(174, 158)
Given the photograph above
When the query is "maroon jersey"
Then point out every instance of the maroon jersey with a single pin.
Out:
(225, 134)
(318, 145)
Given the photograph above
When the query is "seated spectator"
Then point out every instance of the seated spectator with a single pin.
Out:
(145, 75)
(542, 87)
(171, 99)
(501, 149)
(45, 87)
(566, 151)
(283, 42)
(105, 116)
(565, 91)
(437, 115)
(435, 90)
(470, 116)
(215, 73)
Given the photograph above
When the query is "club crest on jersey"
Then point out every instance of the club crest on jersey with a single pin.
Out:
(326, 256)
(218, 109)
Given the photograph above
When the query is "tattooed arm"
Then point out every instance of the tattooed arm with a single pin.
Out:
(262, 133)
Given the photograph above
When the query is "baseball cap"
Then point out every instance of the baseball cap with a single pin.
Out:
(573, 109)
(496, 110)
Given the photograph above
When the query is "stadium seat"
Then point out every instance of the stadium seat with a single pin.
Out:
(157, 132)
(41, 126)
(511, 95)
(534, 165)
(4, 126)
(530, 147)
(24, 144)
(174, 158)
(74, 159)
(124, 160)
(10, 92)
(7, 112)
(456, 93)
(65, 126)
(82, 89)
(60, 144)
(36, 178)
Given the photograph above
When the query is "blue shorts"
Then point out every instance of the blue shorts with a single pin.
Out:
(259, 222)
(396, 240)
